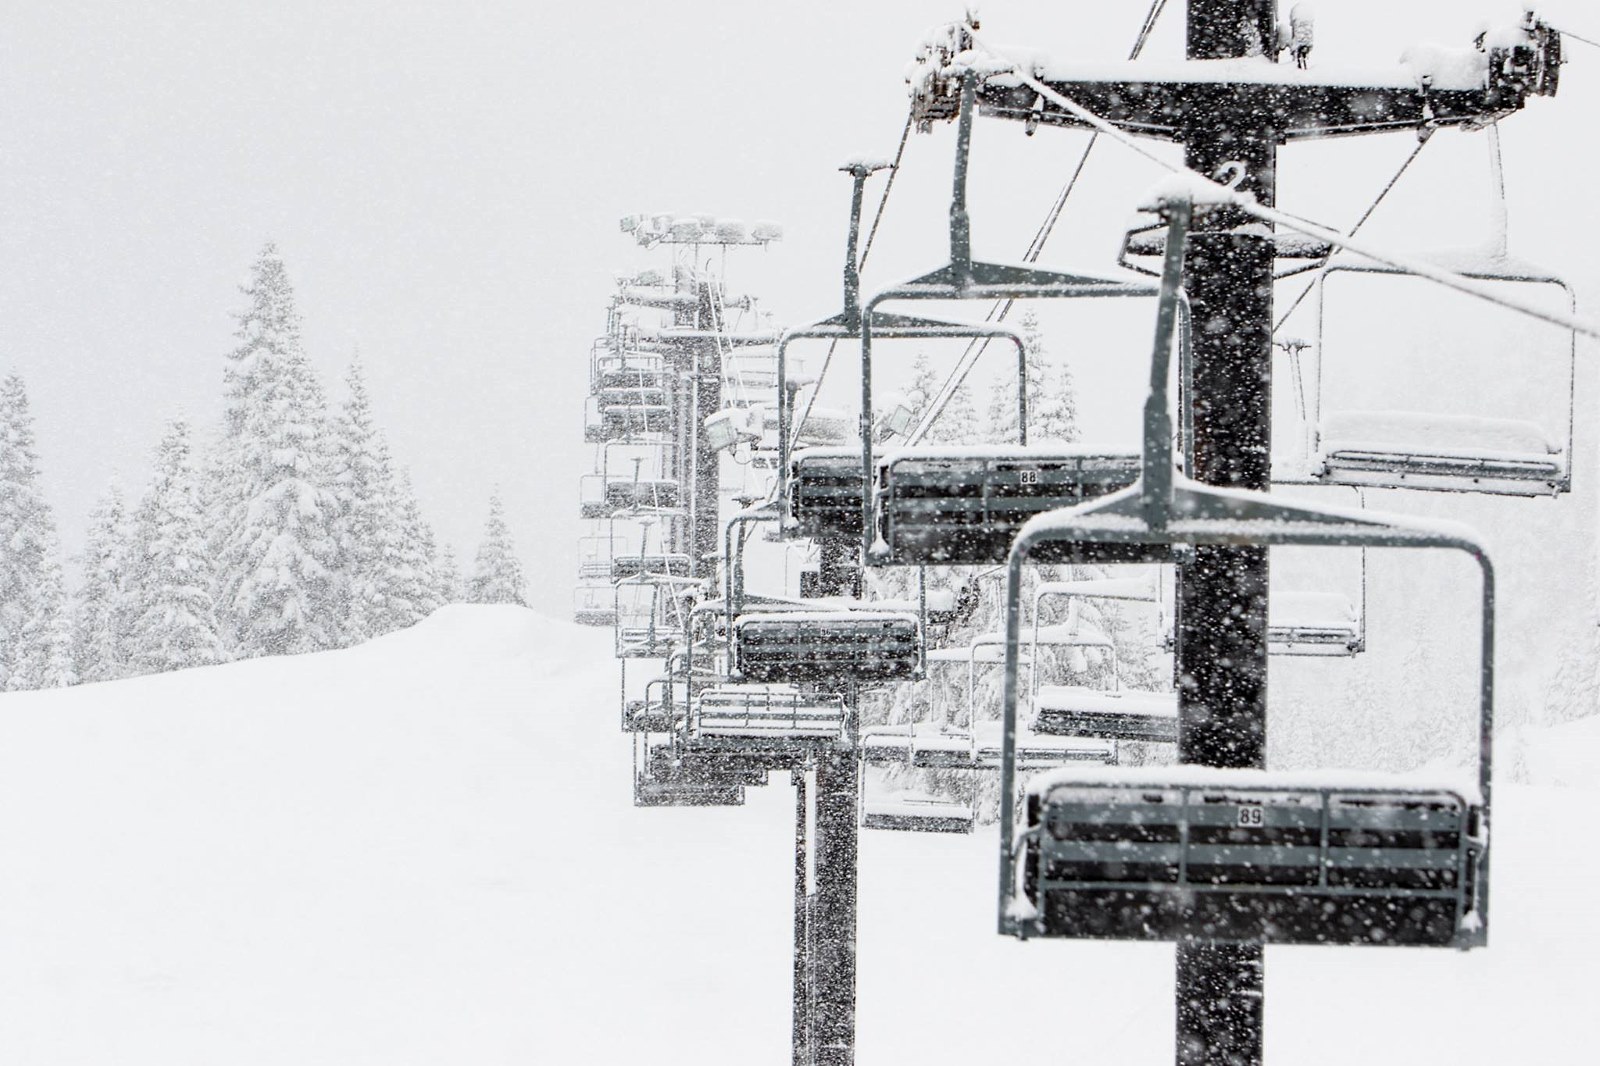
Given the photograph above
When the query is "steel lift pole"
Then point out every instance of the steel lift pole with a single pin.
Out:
(1221, 659)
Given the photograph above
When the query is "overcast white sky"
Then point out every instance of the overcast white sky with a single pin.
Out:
(444, 182)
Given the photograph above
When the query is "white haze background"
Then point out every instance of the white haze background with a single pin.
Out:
(444, 182)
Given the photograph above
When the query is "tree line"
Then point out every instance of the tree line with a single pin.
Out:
(289, 529)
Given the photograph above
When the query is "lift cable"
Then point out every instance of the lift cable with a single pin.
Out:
(1001, 308)
(1222, 194)
(1427, 135)
(1575, 37)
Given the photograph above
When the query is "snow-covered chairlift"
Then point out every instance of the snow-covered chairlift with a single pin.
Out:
(1441, 452)
(659, 711)
(756, 717)
(948, 505)
(827, 647)
(647, 565)
(931, 505)
(594, 605)
(649, 617)
(1194, 853)
(824, 493)
(1314, 624)
(1103, 714)
(918, 812)
(602, 496)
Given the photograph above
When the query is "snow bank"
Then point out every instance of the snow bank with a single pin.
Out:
(423, 851)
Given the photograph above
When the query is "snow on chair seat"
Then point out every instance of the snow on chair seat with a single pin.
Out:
(915, 812)
(1191, 853)
(962, 505)
(1074, 711)
(811, 646)
(1313, 623)
(1437, 451)
(825, 492)
(937, 746)
(739, 715)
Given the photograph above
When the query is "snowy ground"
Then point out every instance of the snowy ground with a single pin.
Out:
(423, 851)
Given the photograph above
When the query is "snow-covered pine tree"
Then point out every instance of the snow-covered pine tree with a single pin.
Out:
(174, 624)
(496, 573)
(415, 593)
(35, 647)
(274, 510)
(1000, 427)
(958, 422)
(1053, 404)
(371, 586)
(104, 610)
(448, 570)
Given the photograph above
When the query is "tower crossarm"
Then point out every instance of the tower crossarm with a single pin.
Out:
(1430, 87)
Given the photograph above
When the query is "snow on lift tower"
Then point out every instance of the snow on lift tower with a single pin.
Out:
(1191, 853)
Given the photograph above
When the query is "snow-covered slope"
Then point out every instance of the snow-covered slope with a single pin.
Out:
(423, 851)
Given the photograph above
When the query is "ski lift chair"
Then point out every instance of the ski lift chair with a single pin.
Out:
(664, 777)
(594, 604)
(649, 622)
(797, 643)
(964, 505)
(659, 711)
(1105, 714)
(766, 718)
(908, 810)
(1191, 853)
(822, 487)
(1441, 452)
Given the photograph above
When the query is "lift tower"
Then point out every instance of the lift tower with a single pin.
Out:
(1231, 127)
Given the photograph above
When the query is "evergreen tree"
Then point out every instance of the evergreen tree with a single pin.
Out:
(958, 422)
(274, 511)
(1000, 427)
(450, 588)
(496, 573)
(1055, 417)
(104, 611)
(174, 623)
(34, 647)
(371, 591)
(416, 592)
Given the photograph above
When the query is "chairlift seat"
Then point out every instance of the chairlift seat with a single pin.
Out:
(915, 812)
(649, 793)
(964, 505)
(935, 746)
(826, 646)
(745, 715)
(1075, 711)
(627, 567)
(625, 495)
(650, 716)
(632, 380)
(622, 423)
(595, 616)
(825, 492)
(1444, 452)
(647, 642)
(1312, 623)
(1249, 856)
